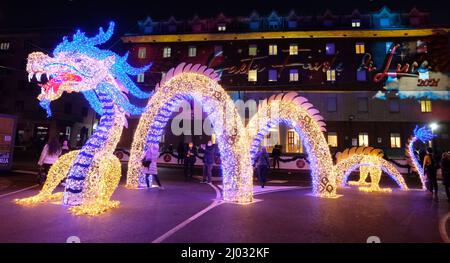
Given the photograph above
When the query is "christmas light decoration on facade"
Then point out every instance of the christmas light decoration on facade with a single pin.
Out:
(424, 135)
(102, 77)
(295, 111)
(370, 162)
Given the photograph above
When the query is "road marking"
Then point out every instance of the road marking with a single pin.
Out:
(180, 226)
(18, 191)
(214, 204)
(443, 228)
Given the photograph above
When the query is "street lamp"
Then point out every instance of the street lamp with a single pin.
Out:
(433, 126)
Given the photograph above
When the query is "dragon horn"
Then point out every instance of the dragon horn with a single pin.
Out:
(103, 36)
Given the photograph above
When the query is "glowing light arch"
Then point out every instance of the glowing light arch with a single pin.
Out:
(370, 161)
(199, 83)
(295, 111)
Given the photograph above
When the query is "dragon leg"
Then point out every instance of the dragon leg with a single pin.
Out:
(375, 177)
(58, 172)
(363, 174)
(101, 182)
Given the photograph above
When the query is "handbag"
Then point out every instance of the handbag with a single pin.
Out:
(146, 163)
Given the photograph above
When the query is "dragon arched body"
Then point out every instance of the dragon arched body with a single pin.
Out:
(424, 135)
(102, 77)
(370, 163)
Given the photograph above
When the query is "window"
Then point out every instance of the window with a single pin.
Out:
(142, 52)
(356, 23)
(388, 46)
(271, 139)
(252, 50)
(331, 75)
(384, 22)
(425, 105)
(292, 24)
(331, 104)
(4, 46)
(192, 51)
(363, 105)
(273, 50)
(218, 51)
(293, 75)
(273, 25)
(293, 49)
(163, 74)
(363, 139)
(254, 25)
(330, 49)
(294, 144)
(361, 75)
(273, 75)
(167, 52)
(395, 140)
(253, 75)
(332, 139)
(421, 46)
(221, 27)
(140, 78)
(394, 105)
(359, 48)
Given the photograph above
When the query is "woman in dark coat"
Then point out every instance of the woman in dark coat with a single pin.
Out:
(262, 165)
(445, 168)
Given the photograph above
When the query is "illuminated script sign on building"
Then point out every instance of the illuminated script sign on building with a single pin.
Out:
(7, 131)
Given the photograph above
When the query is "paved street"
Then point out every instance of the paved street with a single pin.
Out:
(190, 212)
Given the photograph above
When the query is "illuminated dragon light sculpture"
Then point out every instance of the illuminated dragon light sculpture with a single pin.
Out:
(78, 65)
(295, 111)
(424, 135)
(370, 162)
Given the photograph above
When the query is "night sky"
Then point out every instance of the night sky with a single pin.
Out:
(89, 15)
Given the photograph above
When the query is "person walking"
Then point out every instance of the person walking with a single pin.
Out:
(180, 152)
(151, 158)
(208, 161)
(65, 147)
(262, 165)
(445, 168)
(276, 153)
(50, 153)
(189, 161)
(430, 169)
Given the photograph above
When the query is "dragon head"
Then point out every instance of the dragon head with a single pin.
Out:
(423, 133)
(80, 66)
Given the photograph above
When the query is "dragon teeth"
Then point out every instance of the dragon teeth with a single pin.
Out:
(38, 76)
(30, 76)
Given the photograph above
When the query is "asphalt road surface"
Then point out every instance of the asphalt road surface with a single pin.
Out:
(192, 212)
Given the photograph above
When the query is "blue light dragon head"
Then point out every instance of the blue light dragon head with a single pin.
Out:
(423, 133)
(79, 65)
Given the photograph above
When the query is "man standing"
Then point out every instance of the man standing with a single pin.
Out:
(208, 161)
(189, 161)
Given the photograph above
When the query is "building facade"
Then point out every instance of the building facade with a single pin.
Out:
(373, 76)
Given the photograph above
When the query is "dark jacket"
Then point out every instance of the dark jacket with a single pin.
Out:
(189, 154)
(209, 154)
(262, 159)
(445, 166)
